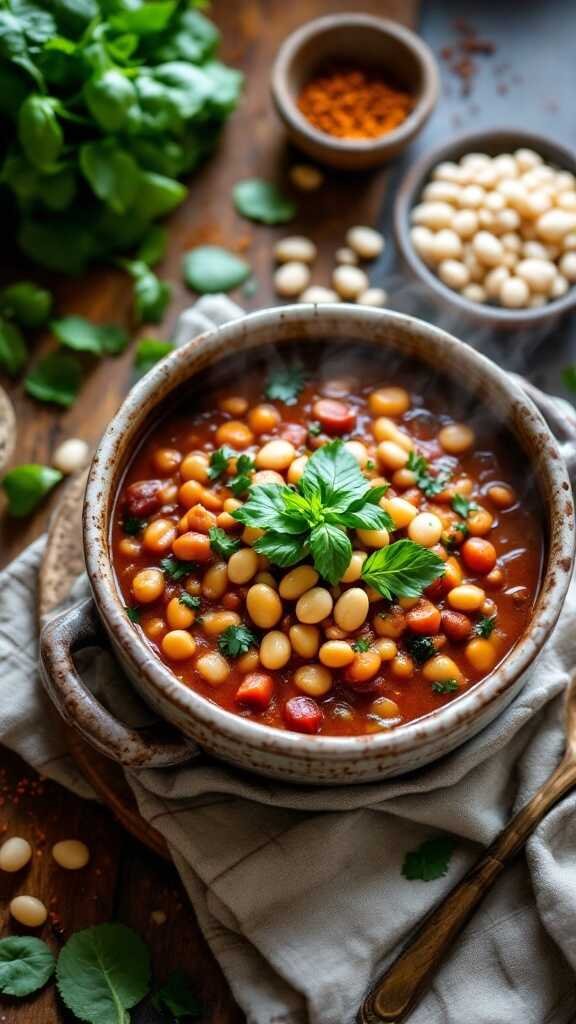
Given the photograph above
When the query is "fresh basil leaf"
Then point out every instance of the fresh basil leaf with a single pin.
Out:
(177, 998)
(39, 132)
(26, 964)
(109, 98)
(153, 246)
(112, 173)
(189, 36)
(263, 201)
(285, 384)
(144, 19)
(209, 269)
(25, 486)
(37, 24)
(64, 245)
(151, 295)
(281, 549)
(13, 350)
(403, 569)
(265, 509)
(56, 378)
(331, 550)
(429, 861)
(226, 88)
(221, 543)
(26, 303)
(236, 640)
(150, 351)
(369, 517)
(334, 474)
(14, 46)
(80, 334)
(102, 972)
(157, 195)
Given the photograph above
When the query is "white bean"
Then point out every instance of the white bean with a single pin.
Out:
(474, 292)
(291, 278)
(373, 297)
(514, 293)
(29, 911)
(433, 215)
(317, 294)
(346, 255)
(494, 280)
(568, 266)
(365, 241)
(465, 223)
(444, 191)
(487, 248)
(70, 456)
(71, 854)
(554, 224)
(423, 241)
(447, 245)
(349, 282)
(14, 854)
(295, 247)
(538, 274)
(454, 274)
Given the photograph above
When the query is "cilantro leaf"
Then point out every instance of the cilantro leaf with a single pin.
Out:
(221, 543)
(403, 569)
(25, 486)
(219, 461)
(132, 525)
(284, 385)
(176, 569)
(283, 550)
(485, 626)
(56, 378)
(429, 861)
(241, 482)
(446, 686)
(430, 484)
(463, 506)
(102, 972)
(190, 600)
(314, 428)
(26, 964)
(236, 640)
(177, 998)
(421, 648)
(331, 550)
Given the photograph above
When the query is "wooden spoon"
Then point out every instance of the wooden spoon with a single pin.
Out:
(401, 988)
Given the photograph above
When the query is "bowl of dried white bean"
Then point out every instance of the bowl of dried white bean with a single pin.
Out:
(488, 223)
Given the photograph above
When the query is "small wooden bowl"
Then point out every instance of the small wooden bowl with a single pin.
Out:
(357, 39)
(492, 142)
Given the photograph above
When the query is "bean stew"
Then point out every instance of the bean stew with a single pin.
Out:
(334, 551)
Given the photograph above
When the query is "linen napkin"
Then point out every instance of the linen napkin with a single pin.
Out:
(298, 890)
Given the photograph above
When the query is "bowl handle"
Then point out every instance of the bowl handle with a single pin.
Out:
(561, 419)
(156, 746)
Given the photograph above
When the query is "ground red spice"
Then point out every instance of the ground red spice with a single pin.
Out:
(354, 103)
(460, 55)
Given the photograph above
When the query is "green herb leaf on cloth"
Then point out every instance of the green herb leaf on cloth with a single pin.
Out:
(102, 972)
(429, 861)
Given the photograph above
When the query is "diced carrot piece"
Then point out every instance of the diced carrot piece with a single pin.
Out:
(302, 714)
(255, 691)
(424, 617)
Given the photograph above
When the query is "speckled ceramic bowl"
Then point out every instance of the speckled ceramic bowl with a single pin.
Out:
(280, 754)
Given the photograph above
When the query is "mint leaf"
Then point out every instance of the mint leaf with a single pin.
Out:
(283, 550)
(210, 268)
(462, 506)
(485, 626)
(236, 640)
(403, 569)
(446, 686)
(56, 378)
(177, 998)
(102, 972)
(25, 486)
(331, 550)
(285, 384)
(221, 543)
(13, 350)
(80, 334)
(429, 861)
(26, 964)
(263, 201)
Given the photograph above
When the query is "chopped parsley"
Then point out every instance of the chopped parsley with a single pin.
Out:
(284, 385)
(221, 543)
(463, 506)
(370, 464)
(430, 484)
(314, 428)
(219, 461)
(236, 640)
(131, 525)
(240, 483)
(446, 686)
(133, 614)
(485, 626)
(429, 861)
(421, 648)
(175, 569)
(189, 601)
(361, 645)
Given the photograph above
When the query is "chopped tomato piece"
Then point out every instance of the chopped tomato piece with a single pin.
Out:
(479, 554)
(302, 714)
(143, 498)
(255, 691)
(424, 617)
(336, 417)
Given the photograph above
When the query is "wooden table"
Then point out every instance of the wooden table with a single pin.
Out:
(123, 881)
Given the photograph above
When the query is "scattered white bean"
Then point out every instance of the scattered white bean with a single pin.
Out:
(373, 297)
(14, 854)
(568, 266)
(316, 293)
(295, 247)
(70, 456)
(306, 178)
(423, 241)
(346, 255)
(454, 274)
(433, 215)
(538, 274)
(554, 224)
(349, 282)
(291, 278)
(447, 245)
(366, 242)
(29, 911)
(445, 191)
(559, 287)
(487, 248)
(514, 293)
(494, 280)
(465, 223)
(71, 854)
(474, 292)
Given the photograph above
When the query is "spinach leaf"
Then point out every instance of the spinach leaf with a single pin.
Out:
(13, 351)
(209, 269)
(25, 486)
(263, 201)
(102, 972)
(26, 303)
(56, 378)
(26, 964)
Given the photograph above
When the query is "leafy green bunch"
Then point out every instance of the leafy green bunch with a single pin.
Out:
(331, 496)
(105, 104)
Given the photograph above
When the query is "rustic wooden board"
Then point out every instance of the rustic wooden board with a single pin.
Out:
(124, 881)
